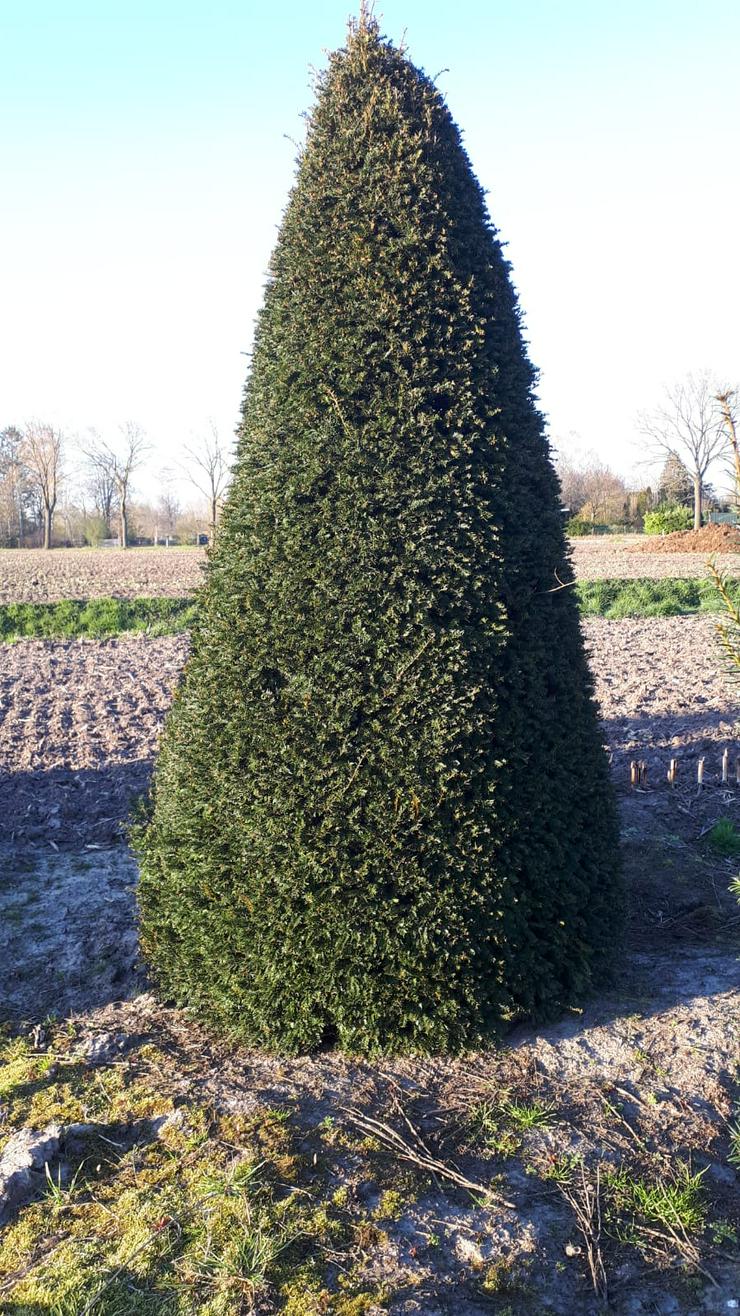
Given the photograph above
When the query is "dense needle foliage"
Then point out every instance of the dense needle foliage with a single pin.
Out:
(381, 815)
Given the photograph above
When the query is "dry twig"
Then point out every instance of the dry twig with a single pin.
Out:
(417, 1153)
(585, 1201)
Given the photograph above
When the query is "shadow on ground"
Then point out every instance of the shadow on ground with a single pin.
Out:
(70, 807)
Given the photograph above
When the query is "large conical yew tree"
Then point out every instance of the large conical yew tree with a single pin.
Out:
(381, 815)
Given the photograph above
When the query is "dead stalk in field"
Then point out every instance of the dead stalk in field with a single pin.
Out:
(584, 1199)
(417, 1153)
(674, 1238)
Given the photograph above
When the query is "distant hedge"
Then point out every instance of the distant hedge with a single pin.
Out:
(94, 619)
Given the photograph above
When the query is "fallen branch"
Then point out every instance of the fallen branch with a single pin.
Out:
(417, 1153)
(584, 1200)
(682, 1242)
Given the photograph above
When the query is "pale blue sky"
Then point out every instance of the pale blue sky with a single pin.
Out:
(145, 161)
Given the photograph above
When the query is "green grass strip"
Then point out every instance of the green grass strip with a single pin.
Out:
(672, 597)
(98, 619)
(94, 619)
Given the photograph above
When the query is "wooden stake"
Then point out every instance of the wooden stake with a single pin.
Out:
(700, 773)
(633, 774)
(673, 771)
(642, 772)
(725, 767)
(737, 770)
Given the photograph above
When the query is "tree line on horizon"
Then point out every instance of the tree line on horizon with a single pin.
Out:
(693, 433)
(44, 501)
(56, 492)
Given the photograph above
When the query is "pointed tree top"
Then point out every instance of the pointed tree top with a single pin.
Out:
(365, 27)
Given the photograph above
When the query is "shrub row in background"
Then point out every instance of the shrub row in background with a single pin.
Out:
(94, 618)
(662, 521)
(577, 528)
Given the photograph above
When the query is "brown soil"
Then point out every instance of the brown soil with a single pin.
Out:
(79, 723)
(641, 1076)
(627, 557)
(80, 719)
(31, 575)
(710, 539)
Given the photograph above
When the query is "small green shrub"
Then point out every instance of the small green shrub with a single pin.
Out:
(578, 528)
(667, 518)
(725, 838)
(724, 592)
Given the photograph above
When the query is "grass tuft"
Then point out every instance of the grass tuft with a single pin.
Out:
(675, 1202)
(725, 838)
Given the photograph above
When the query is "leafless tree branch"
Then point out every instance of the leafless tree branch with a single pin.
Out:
(43, 453)
(208, 470)
(117, 464)
(688, 425)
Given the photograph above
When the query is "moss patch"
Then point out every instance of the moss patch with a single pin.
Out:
(200, 1213)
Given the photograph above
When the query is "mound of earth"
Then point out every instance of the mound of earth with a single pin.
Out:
(710, 539)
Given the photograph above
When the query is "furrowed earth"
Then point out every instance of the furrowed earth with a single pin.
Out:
(585, 1165)
(34, 576)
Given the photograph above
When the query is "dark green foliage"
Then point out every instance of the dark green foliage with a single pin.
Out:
(643, 597)
(94, 618)
(725, 837)
(381, 815)
(578, 528)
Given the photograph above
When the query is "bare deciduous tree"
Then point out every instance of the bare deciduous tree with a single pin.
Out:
(15, 495)
(688, 426)
(729, 407)
(43, 452)
(590, 488)
(208, 470)
(102, 489)
(168, 507)
(118, 464)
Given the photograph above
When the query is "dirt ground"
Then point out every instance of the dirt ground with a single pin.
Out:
(605, 556)
(79, 722)
(645, 1075)
(79, 719)
(711, 538)
(33, 576)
